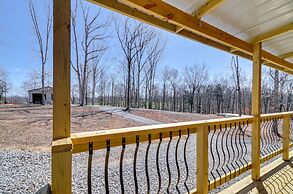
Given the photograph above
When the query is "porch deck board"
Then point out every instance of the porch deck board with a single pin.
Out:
(276, 177)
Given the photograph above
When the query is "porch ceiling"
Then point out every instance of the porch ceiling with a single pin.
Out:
(229, 25)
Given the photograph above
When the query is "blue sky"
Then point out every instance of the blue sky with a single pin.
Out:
(18, 49)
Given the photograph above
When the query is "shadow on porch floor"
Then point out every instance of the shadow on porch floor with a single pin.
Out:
(277, 177)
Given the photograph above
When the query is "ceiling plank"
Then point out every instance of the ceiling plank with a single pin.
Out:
(286, 55)
(165, 16)
(207, 8)
(274, 33)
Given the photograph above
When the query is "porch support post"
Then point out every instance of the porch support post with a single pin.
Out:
(61, 162)
(256, 109)
(286, 137)
(202, 162)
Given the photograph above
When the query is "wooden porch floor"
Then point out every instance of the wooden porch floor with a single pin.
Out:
(277, 177)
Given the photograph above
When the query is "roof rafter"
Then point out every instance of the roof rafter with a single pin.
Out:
(274, 33)
(165, 16)
(204, 10)
(207, 8)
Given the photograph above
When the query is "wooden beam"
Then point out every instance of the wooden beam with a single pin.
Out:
(274, 33)
(179, 29)
(165, 16)
(202, 162)
(286, 55)
(286, 136)
(114, 5)
(207, 8)
(256, 110)
(95, 136)
(61, 162)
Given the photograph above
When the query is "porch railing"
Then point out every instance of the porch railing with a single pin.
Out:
(186, 157)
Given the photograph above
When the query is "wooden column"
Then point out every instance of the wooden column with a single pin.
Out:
(286, 137)
(202, 162)
(61, 162)
(256, 110)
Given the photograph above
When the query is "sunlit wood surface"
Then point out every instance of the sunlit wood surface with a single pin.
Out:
(277, 177)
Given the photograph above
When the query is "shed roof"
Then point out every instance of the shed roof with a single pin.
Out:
(47, 88)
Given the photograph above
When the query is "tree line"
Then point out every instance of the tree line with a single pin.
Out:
(139, 79)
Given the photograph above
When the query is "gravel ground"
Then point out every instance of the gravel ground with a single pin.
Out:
(24, 171)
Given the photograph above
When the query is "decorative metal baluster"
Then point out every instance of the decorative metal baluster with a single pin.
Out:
(270, 141)
(177, 164)
(218, 153)
(240, 144)
(89, 171)
(273, 134)
(232, 145)
(266, 136)
(106, 167)
(121, 164)
(245, 126)
(134, 164)
(146, 164)
(158, 162)
(236, 143)
(185, 161)
(167, 160)
(212, 153)
(223, 151)
(277, 134)
(262, 150)
(228, 150)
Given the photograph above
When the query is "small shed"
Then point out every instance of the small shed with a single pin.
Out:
(35, 95)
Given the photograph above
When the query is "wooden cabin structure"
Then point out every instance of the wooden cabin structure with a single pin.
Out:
(261, 31)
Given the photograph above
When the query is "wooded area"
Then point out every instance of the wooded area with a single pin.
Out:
(140, 79)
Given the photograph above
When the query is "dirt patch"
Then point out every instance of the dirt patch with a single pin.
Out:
(171, 117)
(31, 126)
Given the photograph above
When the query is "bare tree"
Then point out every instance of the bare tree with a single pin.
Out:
(173, 80)
(155, 54)
(43, 39)
(164, 79)
(90, 46)
(236, 76)
(194, 76)
(5, 85)
(278, 78)
(96, 72)
(128, 34)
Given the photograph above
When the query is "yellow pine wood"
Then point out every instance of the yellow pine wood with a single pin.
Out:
(61, 162)
(286, 137)
(256, 110)
(207, 8)
(202, 163)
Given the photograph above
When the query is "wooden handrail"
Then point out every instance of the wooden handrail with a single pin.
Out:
(280, 115)
(80, 138)
(79, 142)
